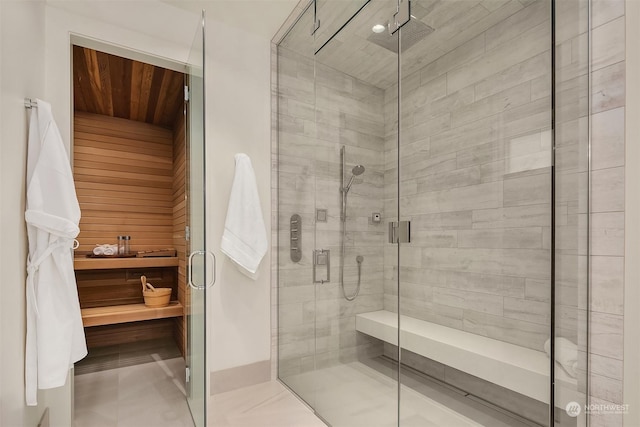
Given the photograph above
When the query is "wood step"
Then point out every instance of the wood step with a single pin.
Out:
(110, 315)
(109, 263)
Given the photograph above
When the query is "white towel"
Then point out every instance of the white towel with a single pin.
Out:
(105, 249)
(110, 250)
(245, 238)
(566, 355)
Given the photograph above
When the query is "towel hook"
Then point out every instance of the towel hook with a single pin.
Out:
(76, 244)
(30, 103)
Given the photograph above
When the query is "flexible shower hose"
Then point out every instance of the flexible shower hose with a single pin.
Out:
(359, 258)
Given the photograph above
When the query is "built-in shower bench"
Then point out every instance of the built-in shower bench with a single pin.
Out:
(517, 368)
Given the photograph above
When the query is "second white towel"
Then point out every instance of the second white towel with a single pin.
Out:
(245, 237)
(566, 355)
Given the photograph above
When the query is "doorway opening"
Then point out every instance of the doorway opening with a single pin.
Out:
(131, 174)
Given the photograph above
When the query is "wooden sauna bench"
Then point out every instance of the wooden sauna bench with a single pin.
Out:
(129, 269)
(112, 315)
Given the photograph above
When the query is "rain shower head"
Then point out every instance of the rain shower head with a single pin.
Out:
(412, 32)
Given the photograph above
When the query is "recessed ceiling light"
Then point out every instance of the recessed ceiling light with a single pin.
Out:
(378, 28)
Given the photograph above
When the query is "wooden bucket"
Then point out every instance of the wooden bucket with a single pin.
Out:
(154, 297)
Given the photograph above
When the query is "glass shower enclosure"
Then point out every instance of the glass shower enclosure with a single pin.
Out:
(432, 200)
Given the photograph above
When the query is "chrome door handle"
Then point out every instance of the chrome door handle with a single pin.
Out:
(210, 282)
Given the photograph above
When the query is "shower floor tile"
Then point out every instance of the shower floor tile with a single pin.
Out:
(356, 395)
(268, 404)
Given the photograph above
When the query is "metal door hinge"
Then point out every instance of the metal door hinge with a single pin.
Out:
(401, 17)
(186, 93)
(187, 374)
(316, 26)
(400, 232)
(316, 20)
(187, 233)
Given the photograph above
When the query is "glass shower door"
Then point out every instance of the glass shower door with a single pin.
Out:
(198, 278)
(334, 196)
(442, 218)
(355, 61)
(475, 184)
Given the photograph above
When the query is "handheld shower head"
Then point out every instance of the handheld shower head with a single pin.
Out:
(356, 171)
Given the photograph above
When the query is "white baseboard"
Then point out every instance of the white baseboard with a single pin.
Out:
(240, 376)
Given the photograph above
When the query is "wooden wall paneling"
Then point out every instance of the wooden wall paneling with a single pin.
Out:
(154, 94)
(128, 122)
(137, 72)
(118, 143)
(120, 72)
(174, 96)
(131, 126)
(104, 76)
(145, 91)
(93, 82)
(124, 179)
(103, 288)
(162, 98)
(82, 101)
(118, 87)
(124, 333)
(179, 223)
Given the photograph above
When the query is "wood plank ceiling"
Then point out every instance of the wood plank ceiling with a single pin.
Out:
(118, 87)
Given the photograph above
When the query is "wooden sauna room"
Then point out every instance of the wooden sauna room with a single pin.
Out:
(129, 152)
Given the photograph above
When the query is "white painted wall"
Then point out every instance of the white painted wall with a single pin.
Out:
(238, 121)
(37, 63)
(21, 75)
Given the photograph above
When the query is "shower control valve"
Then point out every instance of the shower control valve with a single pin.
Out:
(321, 266)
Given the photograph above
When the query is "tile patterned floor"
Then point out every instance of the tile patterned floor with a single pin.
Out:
(356, 395)
(130, 354)
(150, 394)
(153, 395)
(352, 395)
(268, 404)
